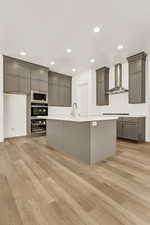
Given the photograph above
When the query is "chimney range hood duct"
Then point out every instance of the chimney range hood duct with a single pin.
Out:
(118, 89)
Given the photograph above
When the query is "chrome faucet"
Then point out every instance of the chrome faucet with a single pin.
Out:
(75, 110)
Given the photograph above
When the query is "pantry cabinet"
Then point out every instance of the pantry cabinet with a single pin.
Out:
(137, 65)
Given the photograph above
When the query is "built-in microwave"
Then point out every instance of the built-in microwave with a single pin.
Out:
(39, 97)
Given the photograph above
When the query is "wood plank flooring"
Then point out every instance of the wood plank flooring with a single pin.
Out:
(40, 186)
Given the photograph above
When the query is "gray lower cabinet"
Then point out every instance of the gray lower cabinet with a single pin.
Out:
(22, 77)
(132, 128)
(119, 128)
(59, 90)
(102, 86)
(137, 78)
(82, 140)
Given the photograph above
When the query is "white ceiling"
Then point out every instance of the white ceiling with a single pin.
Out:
(45, 29)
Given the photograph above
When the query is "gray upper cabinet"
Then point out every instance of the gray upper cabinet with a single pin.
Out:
(16, 76)
(59, 89)
(137, 78)
(102, 86)
(22, 77)
(39, 79)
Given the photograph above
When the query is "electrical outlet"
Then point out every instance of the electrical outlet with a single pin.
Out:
(94, 124)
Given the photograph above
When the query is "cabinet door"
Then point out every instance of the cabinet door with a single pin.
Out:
(44, 75)
(102, 86)
(11, 83)
(35, 85)
(135, 66)
(61, 95)
(53, 95)
(43, 86)
(24, 85)
(100, 93)
(130, 130)
(68, 97)
(59, 90)
(136, 90)
(35, 73)
(119, 129)
(137, 78)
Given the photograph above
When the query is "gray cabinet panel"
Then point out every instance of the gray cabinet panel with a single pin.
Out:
(24, 85)
(54, 133)
(68, 97)
(59, 89)
(53, 95)
(132, 128)
(61, 95)
(21, 76)
(39, 79)
(137, 78)
(35, 84)
(11, 83)
(136, 90)
(17, 76)
(43, 86)
(44, 76)
(102, 86)
(135, 66)
(35, 73)
(120, 128)
(13, 67)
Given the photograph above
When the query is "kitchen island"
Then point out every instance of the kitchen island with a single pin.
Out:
(90, 139)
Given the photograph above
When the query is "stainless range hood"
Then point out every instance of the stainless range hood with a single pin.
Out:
(118, 89)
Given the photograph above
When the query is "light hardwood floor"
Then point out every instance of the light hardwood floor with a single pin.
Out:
(40, 186)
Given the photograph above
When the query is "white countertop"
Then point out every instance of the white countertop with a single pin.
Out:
(79, 118)
(131, 115)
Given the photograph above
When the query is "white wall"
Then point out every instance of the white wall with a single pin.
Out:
(1, 100)
(117, 103)
(15, 111)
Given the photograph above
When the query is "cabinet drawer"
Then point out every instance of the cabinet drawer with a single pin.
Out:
(130, 119)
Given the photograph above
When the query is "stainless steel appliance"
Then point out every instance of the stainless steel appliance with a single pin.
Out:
(39, 109)
(39, 97)
(38, 127)
(118, 89)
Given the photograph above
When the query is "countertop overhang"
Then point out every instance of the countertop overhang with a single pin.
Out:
(79, 118)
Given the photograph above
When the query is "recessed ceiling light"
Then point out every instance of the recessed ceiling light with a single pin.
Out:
(52, 63)
(96, 29)
(69, 50)
(92, 60)
(120, 47)
(23, 53)
(73, 70)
